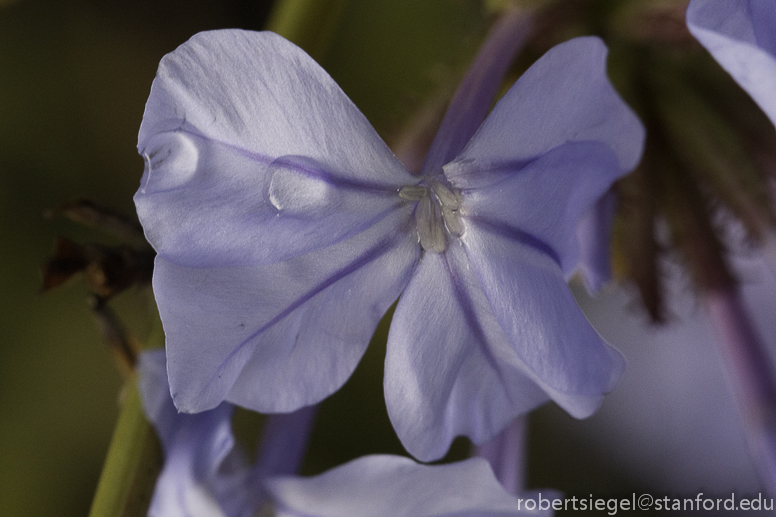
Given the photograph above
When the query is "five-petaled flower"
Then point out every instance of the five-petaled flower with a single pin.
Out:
(285, 228)
(206, 476)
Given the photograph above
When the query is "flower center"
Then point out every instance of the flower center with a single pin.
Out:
(436, 213)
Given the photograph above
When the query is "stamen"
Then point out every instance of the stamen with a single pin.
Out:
(446, 196)
(413, 192)
(430, 231)
(452, 221)
(436, 213)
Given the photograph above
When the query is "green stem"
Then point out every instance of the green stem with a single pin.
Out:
(133, 463)
(308, 23)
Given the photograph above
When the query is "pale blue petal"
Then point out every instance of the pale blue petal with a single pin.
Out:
(203, 474)
(489, 329)
(533, 305)
(393, 486)
(594, 233)
(280, 336)
(155, 395)
(545, 198)
(564, 97)
(764, 24)
(450, 369)
(254, 155)
(741, 35)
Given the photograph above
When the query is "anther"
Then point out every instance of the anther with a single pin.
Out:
(413, 192)
(429, 224)
(446, 196)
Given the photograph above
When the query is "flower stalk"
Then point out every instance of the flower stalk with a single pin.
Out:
(284, 442)
(506, 455)
(749, 366)
(475, 94)
(751, 374)
(132, 465)
(441, 129)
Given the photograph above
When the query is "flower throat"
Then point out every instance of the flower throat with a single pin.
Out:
(435, 214)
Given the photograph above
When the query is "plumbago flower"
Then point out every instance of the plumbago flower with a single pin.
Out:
(285, 228)
(393, 486)
(204, 474)
(741, 35)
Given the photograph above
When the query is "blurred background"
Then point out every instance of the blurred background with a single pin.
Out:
(74, 77)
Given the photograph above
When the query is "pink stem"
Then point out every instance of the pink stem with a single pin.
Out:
(751, 374)
(506, 454)
(284, 442)
(475, 94)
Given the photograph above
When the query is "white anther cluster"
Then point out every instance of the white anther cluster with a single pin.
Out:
(436, 213)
